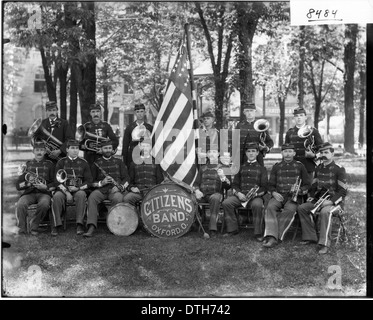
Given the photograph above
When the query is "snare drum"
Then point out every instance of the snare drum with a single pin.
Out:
(168, 210)
(122, 219)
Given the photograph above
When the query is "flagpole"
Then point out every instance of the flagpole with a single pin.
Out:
(194, 94)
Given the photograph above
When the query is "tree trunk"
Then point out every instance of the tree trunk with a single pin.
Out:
(87, 92)
(362, 106)
(51, 87)
(317, 112)
(62, 76)
(106, 102)
(349, 63)
(281, 103)
(73, 99)
(301, 68)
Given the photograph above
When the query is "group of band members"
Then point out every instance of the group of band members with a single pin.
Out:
(100, 176)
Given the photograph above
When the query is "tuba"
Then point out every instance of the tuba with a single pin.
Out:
(91, 141)
(262, 125)
(306, 133)
(38, 133)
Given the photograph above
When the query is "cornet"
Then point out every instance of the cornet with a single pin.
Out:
(309, 143)
(31, 177)
(319, 202)
(295, 189)
(62, 177)
(262, 125)
(250, 195)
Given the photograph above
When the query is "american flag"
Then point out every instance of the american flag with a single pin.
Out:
(173, 132)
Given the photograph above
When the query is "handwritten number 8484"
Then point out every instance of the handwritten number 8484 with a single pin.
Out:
(319, 13)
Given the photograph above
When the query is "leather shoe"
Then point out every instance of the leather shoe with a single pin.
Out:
(270, 243)
(54, 232)
(259, 238)
(213, 234)
(230, 234)
(324, 250)
(79, 230)
(90, 231)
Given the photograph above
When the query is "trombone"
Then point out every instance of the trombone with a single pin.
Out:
(262, 125)
(319, 202)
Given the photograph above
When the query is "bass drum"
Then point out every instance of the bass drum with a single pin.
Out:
(122, 219)
(168, 210)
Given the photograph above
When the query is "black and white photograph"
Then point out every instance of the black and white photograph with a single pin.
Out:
(185, 150)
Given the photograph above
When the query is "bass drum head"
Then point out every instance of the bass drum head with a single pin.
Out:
(168, 210)
(122, 219)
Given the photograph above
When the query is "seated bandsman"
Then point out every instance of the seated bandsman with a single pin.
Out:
(36, 179)
(210, 184)
(288, 182)
(249, 186)
(144, 173)
(330, 184)
(110, 178)
(73, 176)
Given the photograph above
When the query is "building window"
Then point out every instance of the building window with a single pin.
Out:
(39, 82)
(114, 120)
(127, 89)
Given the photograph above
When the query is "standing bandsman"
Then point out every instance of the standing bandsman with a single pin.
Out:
(135, 132)
(210, 184)
(331, 177)
(248, 134)
(36, 180)
(100, 130)
(296, 137)
(250, 177)
(59, 128)
(144, 174)
(208, 136)
(110, 178)
(73, 176)
(288, 182)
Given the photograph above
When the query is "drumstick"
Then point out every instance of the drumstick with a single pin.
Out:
(205, 234)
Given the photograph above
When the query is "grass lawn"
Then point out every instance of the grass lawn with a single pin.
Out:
(141, 265)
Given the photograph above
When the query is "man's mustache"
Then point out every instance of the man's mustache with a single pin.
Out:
(322, 158)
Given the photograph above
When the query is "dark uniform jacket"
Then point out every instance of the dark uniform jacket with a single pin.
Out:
(80, 168)
(293, 138)
(102, 129)
(145, 175)
(208, 180)
(45, 169)
(209, 139)
(331, 177)
(249, 134)
(128, 145)
(251, 175)
(284, 175)
(114, 168)
(61, 130)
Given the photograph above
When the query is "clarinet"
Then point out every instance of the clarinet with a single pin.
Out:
(116, 184)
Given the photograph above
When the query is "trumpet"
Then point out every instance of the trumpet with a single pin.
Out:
(262, 125)
(295, 189)
(31, 177)
(71, 180)
(115, 183)
(92, 142)
(38, 133)
(309, 143)
(250, 195)
(319, 202)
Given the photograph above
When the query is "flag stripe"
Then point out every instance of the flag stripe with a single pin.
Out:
(173, 134)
